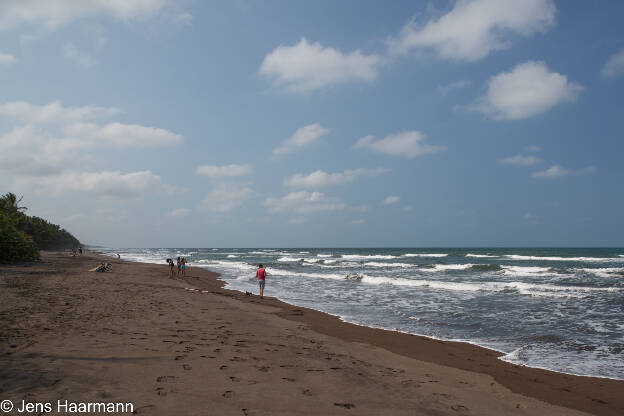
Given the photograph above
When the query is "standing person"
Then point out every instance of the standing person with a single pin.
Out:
(261, 275)
(80, 250)
(183, 266)
(171, 268)
(178, 263)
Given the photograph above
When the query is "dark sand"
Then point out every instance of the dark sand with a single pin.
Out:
(134, 335)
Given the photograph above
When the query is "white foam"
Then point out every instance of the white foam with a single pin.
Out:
(287, 259)
(598, 259)
(527, 271)
(365, 257)
(324, 255)
(604, 272)
(379, 264)
(443, 267)
(232, 256)
(230, 265)
(481, 256)
(425, 255)
(280, 272)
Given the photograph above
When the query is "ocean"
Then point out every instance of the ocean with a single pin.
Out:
(555, 308)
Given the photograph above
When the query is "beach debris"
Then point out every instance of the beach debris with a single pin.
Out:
(345, 405)
(103, 267)
(354, 276)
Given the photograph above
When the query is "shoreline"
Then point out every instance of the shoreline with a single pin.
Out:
(447, 361)
(317, 322)
(468, 342)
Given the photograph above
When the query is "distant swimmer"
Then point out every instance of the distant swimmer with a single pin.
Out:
(261, 275)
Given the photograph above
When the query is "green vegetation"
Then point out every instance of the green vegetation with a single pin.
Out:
(21, 236)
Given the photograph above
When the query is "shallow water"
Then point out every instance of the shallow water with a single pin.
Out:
(559, 309)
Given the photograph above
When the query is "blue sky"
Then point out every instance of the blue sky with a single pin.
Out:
(204, 124)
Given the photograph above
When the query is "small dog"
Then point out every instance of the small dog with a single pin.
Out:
(248, 293)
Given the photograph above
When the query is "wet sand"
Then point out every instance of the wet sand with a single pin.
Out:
(135, 335)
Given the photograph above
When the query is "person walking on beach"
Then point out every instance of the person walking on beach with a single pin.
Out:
(261, 275)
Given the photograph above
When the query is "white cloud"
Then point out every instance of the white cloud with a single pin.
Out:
(558, 171)
(225, 197)
(122, 135)
(320, 179)
(297, 220)
(53, 14)
(51, 141)
(26, 39)
(520, 160)
(475, 28)
(392, 199)
(227, 171)
(179, 212)
(77, 56)
(457, 85)
(106, 183)
(53, 112)
(358, 222)
(6, 59)
(184, 18)
(409, 144)
(304, 202)
(614, 66)
(308, 66)
(530, 218)
(527, 90)
(303, 137)
(30, 150)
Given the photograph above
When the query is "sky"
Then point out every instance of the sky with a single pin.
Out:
(162, 123)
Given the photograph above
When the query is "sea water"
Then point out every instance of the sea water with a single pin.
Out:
(558, 309)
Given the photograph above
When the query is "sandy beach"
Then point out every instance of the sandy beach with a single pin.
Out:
(136, 336)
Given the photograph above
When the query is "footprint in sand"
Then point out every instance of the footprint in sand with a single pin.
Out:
(292, 380)
(234, 379)
(307, 392)
(459, 408)
(180, 357)
(164, 379)
(223, 367)
(228, 394)
(187, 367)
(345, 405)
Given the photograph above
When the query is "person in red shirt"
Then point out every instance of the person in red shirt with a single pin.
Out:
(261, 275)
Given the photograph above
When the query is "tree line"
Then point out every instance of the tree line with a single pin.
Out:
(22, 236)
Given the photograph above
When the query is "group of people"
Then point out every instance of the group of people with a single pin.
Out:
(178, 268)
(76, 251)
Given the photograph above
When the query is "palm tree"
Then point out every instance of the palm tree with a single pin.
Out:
(10, 204)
